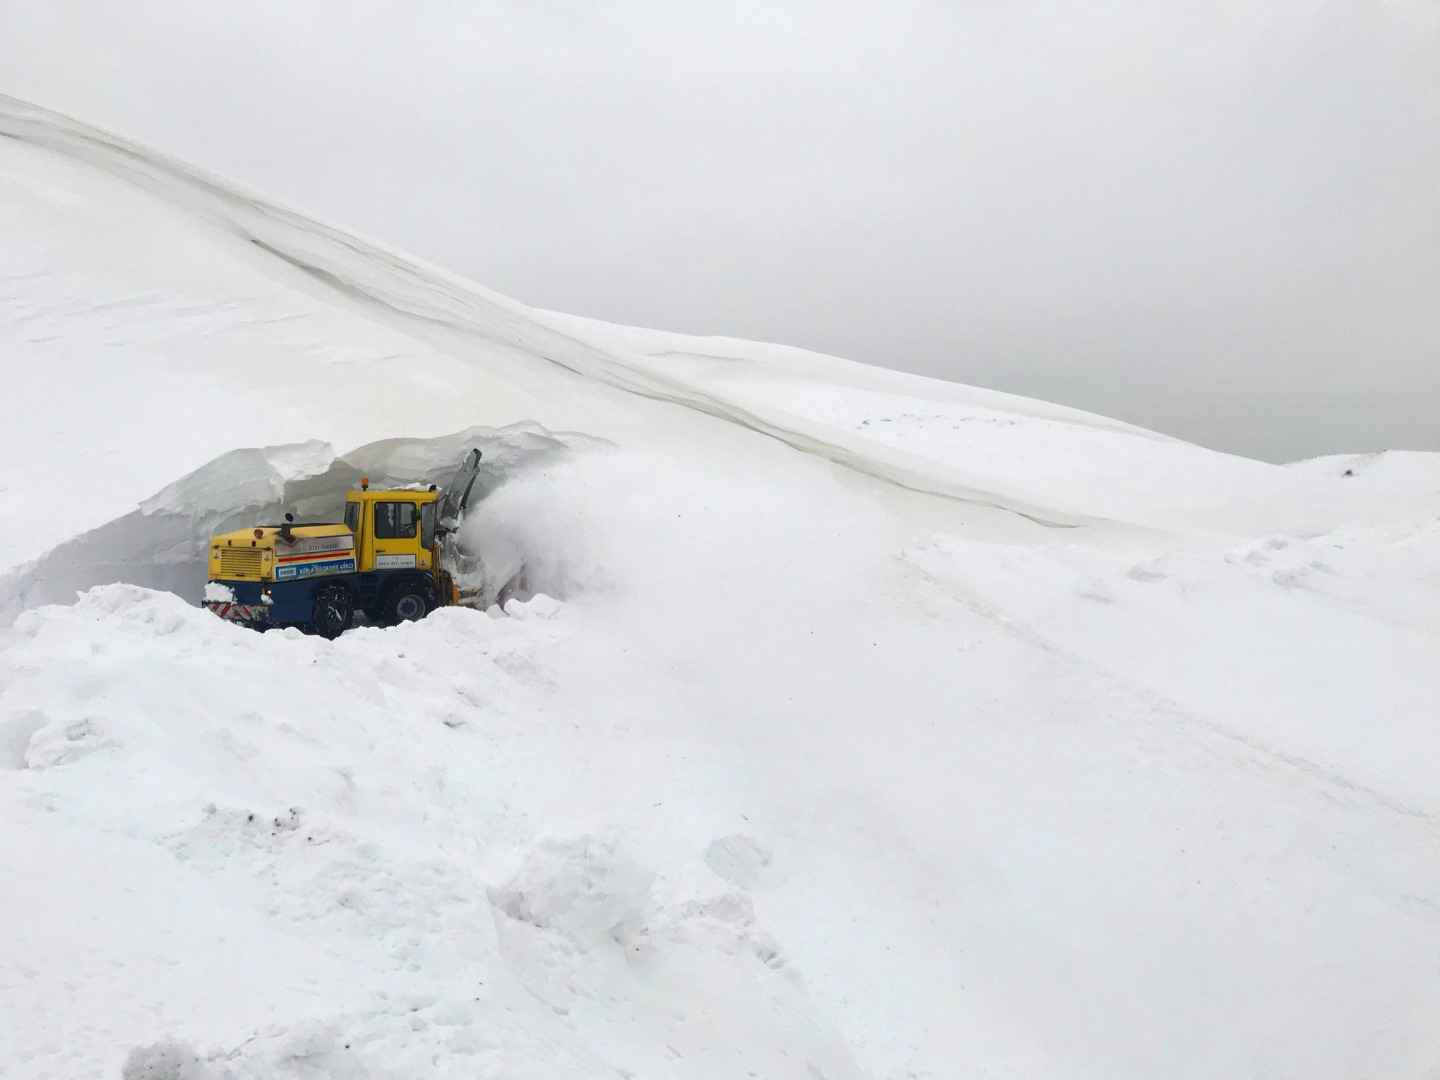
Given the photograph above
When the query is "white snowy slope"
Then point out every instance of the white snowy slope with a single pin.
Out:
(862, 726)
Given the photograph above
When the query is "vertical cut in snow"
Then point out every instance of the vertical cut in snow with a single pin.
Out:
(163, 543)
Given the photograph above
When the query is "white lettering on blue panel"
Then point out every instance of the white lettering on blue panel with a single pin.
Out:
(315, 569)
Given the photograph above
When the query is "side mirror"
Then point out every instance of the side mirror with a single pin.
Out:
(290, 517)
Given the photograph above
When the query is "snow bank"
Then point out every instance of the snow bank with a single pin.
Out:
(248, 324)
(709, 836)
(269, 782)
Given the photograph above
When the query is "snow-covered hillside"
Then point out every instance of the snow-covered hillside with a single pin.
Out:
(863, 726)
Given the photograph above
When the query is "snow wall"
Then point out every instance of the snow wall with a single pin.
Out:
(162, 543)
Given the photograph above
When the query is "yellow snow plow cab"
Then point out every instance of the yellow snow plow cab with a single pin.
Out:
(384, 560)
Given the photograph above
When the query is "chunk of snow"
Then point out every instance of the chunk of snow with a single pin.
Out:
(164, 1061)
(738, 858)
(216, 592)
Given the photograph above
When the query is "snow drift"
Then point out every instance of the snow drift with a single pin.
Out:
(861, 726)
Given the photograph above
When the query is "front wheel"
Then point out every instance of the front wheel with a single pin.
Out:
(334, 607)
(407, 602)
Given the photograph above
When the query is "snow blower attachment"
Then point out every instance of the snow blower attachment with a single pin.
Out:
(390, 559)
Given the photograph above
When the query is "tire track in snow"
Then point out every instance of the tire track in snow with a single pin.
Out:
(1169, 713)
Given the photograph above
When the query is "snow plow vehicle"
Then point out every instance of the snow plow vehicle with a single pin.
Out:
(386, 559)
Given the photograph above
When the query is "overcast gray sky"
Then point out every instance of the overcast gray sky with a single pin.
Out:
(1218, 219)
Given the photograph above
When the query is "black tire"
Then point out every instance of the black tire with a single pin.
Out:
(407, 601)
(334, 608)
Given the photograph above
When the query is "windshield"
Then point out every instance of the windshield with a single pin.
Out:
(395, 520)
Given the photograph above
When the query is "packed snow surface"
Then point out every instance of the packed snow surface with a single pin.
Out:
(856, 724)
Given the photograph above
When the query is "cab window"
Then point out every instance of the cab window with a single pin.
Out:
(352, 516)
(395, 521)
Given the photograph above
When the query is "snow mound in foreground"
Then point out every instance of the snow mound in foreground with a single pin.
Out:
(1017, 815)
(328, 839)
